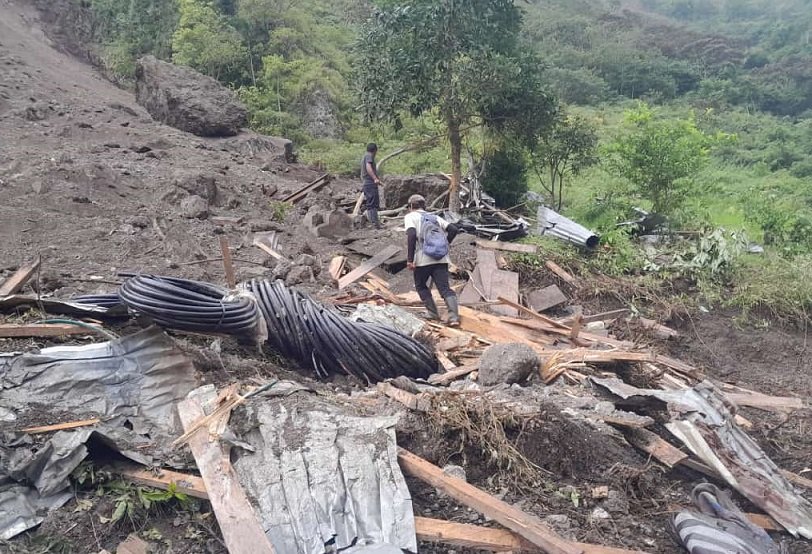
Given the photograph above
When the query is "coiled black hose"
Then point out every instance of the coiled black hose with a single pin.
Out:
(321, 339)
(189, 305)
(101, 300)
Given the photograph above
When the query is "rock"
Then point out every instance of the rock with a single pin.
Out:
(200, 184)
(194, 207)
(261, 226)
(187, 100)
(600, 514)
(299, 274)
(306, 259)
(139, 221)
(616, 503)
(332, 224)
(399, 189)
(281, 269)
(269, 189)
(270, 149)
(319, 117)
(506, 363)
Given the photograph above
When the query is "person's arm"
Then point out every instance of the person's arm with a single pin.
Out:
(371, 173)
(451, 232)
(411, 245)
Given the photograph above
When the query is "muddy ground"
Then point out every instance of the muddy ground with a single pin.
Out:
(92, 184)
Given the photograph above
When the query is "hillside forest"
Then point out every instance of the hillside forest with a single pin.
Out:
(696, 109)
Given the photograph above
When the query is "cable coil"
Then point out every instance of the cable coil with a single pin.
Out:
(189, 305)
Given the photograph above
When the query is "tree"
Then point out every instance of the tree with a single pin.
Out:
(458, 59)
(660, 157)
(568, 149)
(206, 42)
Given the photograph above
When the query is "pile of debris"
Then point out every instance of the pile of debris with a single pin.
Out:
(289, 470)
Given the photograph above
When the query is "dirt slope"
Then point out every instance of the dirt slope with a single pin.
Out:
(86, 176)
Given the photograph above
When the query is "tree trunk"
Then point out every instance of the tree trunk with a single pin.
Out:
(456, 165)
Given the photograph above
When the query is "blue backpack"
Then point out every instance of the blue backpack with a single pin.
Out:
(433, 239)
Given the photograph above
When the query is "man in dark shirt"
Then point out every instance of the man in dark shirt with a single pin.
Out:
(371, 182)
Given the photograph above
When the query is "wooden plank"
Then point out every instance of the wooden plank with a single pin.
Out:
(17, 281)
(61, 426)
(265, 242)
(651, 443)
(417, 402)
(447, 364)
(505, 284)
(576, 328)
(307, 189)
(559, 271)
(546, 298)
(337, 266)
(535, 314)
(358, 203)
(658, 330)
(485, 268)
(192, 485)
(368, 266)
(491, 539)
(609, 356)
(796, 479)
(241, 529)
(228, 265)
(524, 524)
(8, 330)
(451, 375)
(765, 402)
(507, 246)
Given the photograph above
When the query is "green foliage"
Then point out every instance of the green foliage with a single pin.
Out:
(712, 255)
(129, 29)
(565, 151)
(205, 41)
(505, 176)
(660, 157)
(280, 210)
(782, 208)
(774, 286)
(461, 60)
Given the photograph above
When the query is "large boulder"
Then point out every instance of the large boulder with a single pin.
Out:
(506, 363)
(400, 188)
(187, 100)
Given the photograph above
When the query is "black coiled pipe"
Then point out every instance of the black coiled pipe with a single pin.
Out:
(321, 339)
(101, 300)
(189, 305)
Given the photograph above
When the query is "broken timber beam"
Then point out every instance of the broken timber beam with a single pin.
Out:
(313, 186)
(563, 275)
(163, 479)
(61, 426)
(507, 246)
(493, 540)
(524, 524)
(609, 356)
(241, 528)
(17, 281)
(534, 313)
(451, 375)
(8, 330)
(368, 266)
(337, 267)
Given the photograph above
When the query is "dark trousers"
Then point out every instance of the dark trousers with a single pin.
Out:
(372, 200)
(438, 273)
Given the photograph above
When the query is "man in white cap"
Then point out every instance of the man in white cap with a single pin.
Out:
(428, 238)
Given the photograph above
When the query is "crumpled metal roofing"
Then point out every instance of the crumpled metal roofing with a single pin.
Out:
(703, 421)
(322, 477)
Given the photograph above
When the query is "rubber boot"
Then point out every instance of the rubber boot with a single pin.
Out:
(431, 307)
(372, 216)
(453, 311)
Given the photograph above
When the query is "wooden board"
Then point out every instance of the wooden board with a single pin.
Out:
(507, 246)
(239, 524)
(61, 426)
(8, 330)
(651, 443)
(485, 268)
(559, 271)
(17, 281)
(368, 266)
(192, 485)
(337, 266)
(267, 243)
(546, 298)
(307, 189)
(526, 525)
(505, 284)
(490, 539)
(417, 402)
(451, 375)
(228, 265)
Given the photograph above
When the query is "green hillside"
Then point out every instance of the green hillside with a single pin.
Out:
(699, 107)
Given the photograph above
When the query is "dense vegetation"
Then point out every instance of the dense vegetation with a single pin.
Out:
(699, 109)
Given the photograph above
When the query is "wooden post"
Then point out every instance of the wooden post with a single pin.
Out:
(231, 281)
